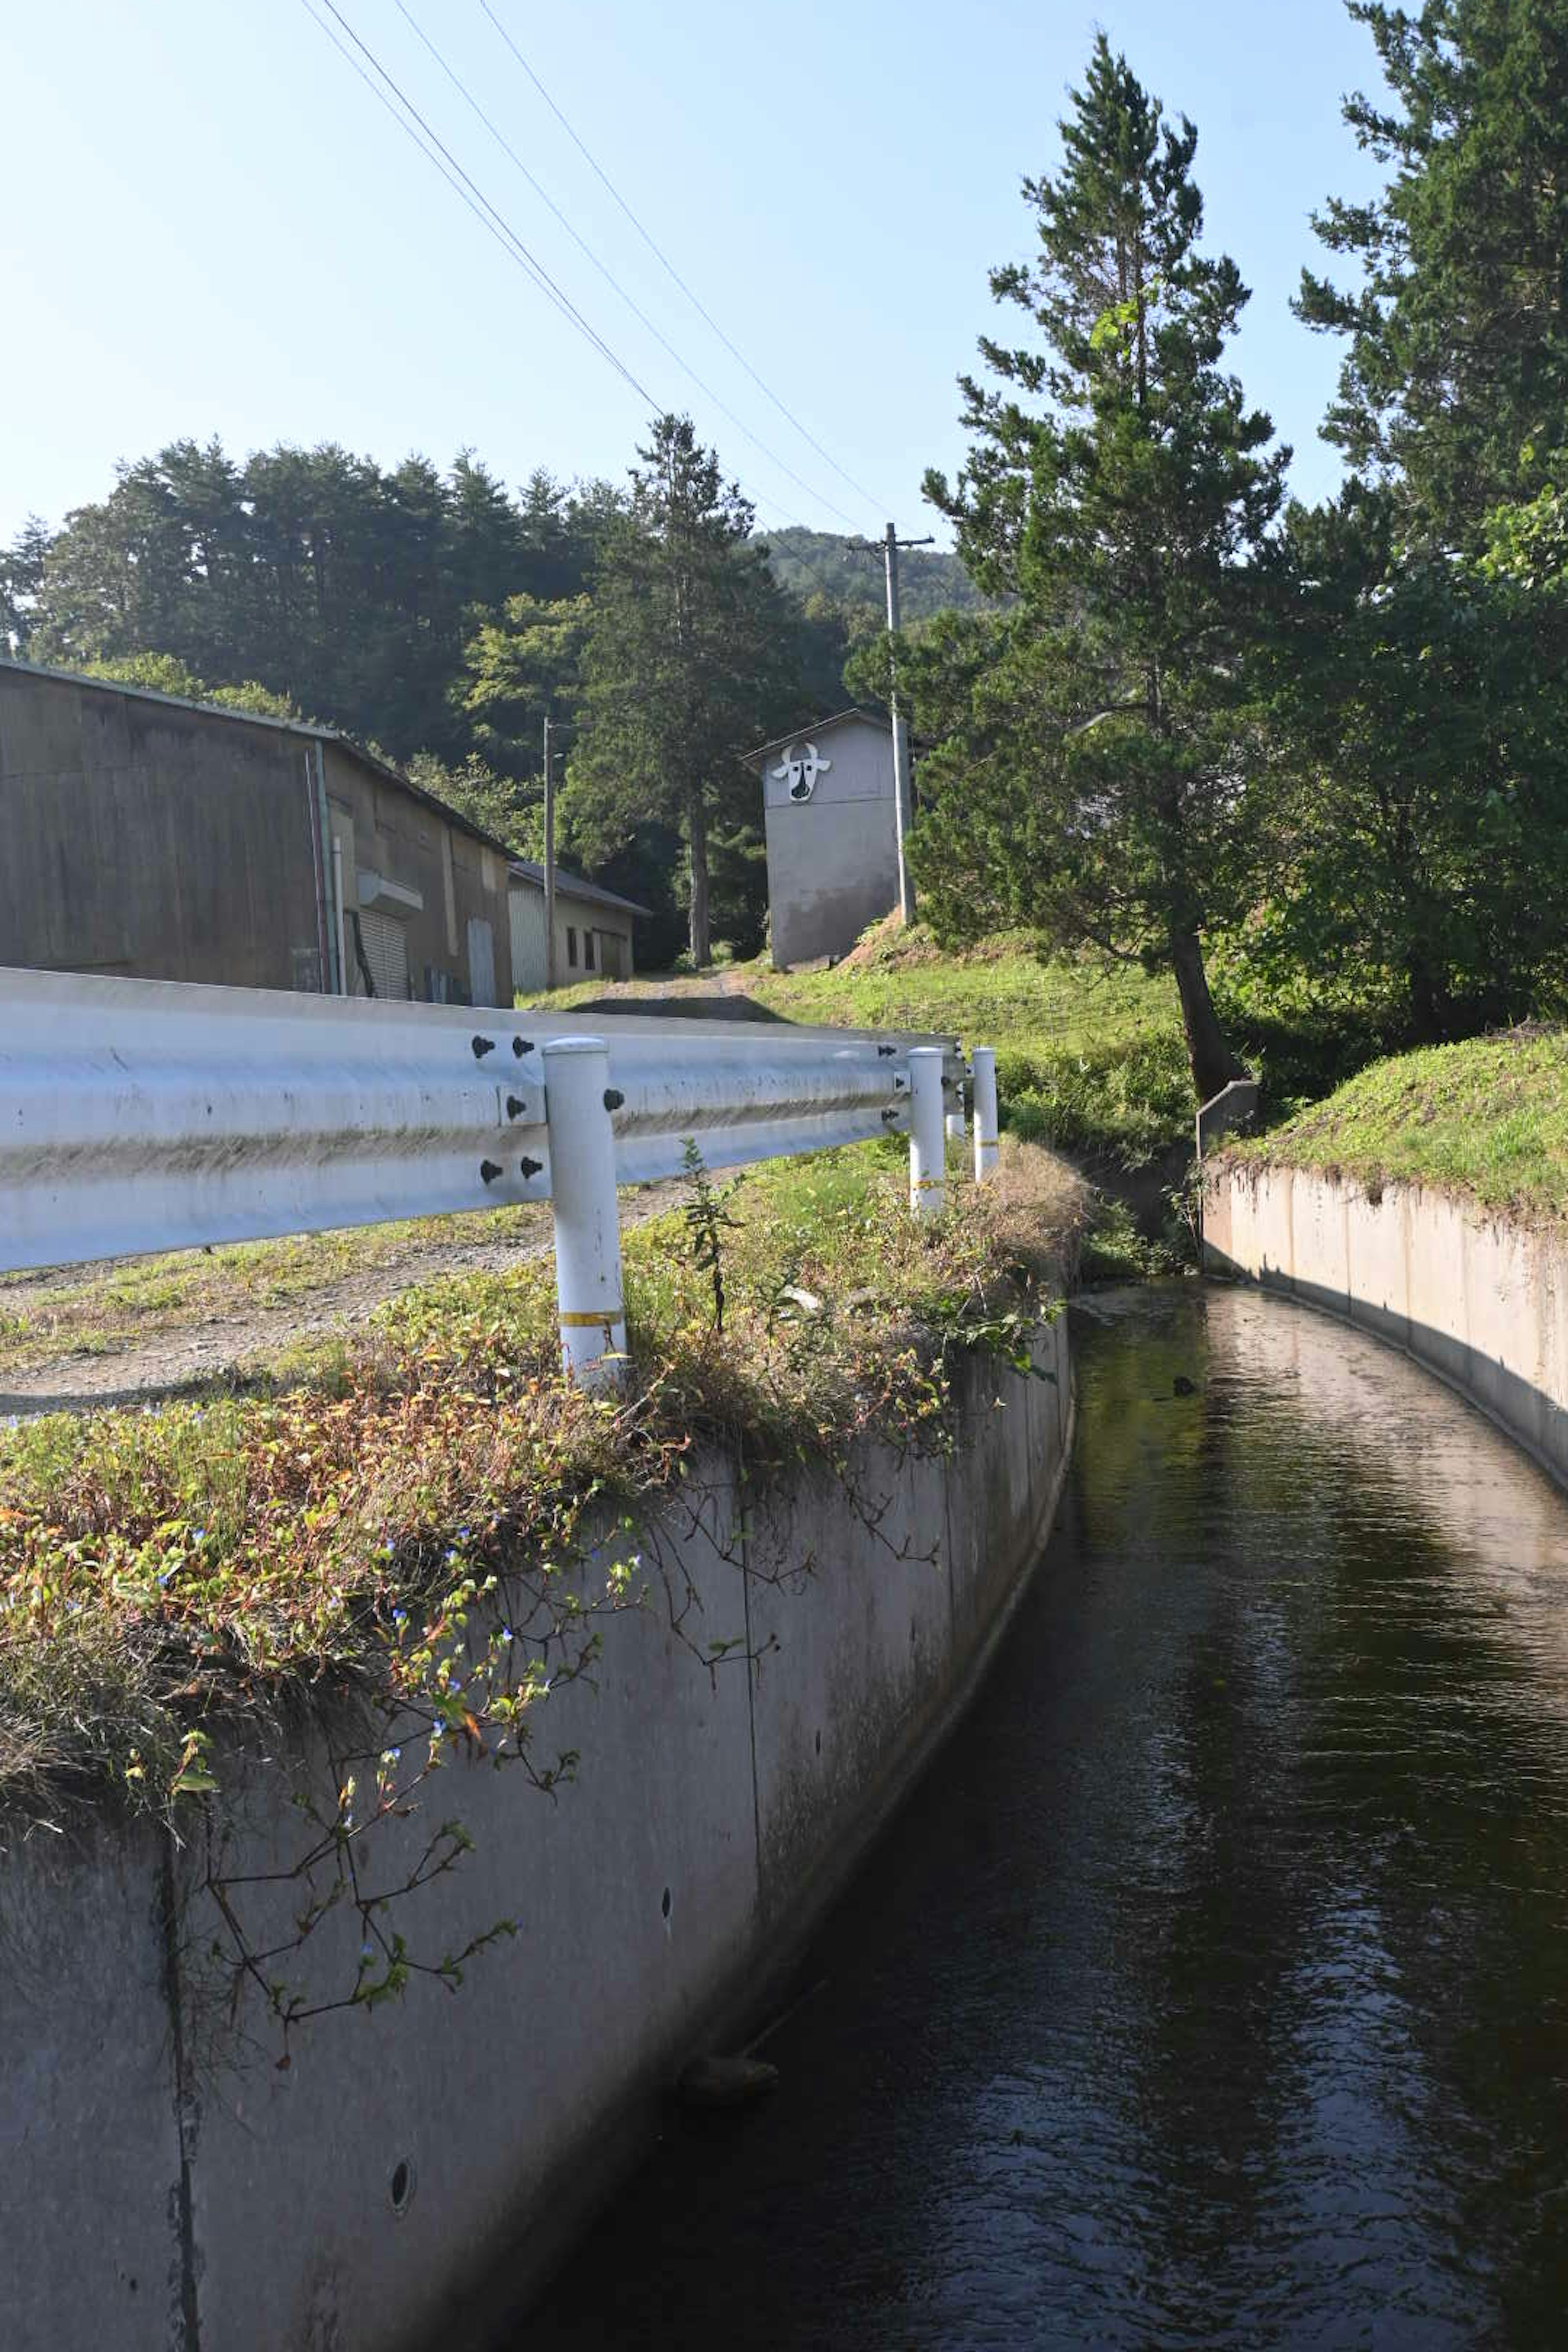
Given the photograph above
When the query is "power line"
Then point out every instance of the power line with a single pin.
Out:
(441, 158)
(610, 279)
(474, 197)
(879, 505)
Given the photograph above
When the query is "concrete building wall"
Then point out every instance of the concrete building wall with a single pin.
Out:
(833, 862)
(144, 839)
(578, 922)
(1477, 1298)
(153, 2196)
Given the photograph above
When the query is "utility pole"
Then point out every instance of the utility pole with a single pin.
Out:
(902, 811)
(549, 862)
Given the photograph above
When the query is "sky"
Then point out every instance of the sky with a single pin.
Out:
(216, 229)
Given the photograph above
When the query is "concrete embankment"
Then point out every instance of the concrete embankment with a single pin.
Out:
(1479, 1298)
(159, 2189)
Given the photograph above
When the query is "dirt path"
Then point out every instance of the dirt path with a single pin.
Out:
(206, 1348)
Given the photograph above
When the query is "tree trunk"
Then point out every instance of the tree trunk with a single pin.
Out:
(697, 846)
(1429, 1009)
(1213, 1063)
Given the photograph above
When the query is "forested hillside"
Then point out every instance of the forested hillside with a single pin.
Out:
(850, 571)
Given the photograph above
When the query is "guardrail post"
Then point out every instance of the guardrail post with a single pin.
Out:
(983, 1064)
(928, 1149)
(587, 1215)
(956, 1109)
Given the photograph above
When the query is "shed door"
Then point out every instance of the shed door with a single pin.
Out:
(481, 961)
(386, 951)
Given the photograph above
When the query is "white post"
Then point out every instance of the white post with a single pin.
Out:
(927, 1147)
(955, 1113)
(982, 1067)
(587, 1216)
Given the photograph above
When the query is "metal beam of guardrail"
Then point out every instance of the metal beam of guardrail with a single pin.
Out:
(144, 1115)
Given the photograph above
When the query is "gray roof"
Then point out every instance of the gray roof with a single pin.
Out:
(283, 726)
(819, 727)
(572, 885)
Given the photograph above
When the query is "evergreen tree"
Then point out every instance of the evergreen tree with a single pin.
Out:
(690, 658)
(1093, 778)
(1455, 384)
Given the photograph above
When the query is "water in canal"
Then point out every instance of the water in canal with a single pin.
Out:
(1211, 1988)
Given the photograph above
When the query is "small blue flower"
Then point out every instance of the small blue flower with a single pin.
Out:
(400, 1616)
(507, 1635)
(198, 1535)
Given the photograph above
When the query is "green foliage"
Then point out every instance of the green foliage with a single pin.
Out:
(690, 657)
(1455, 382)
(847, 574)
(1094, 741)
(324, 578)
(1126, 1101)
(163, 674)
(1416, 700)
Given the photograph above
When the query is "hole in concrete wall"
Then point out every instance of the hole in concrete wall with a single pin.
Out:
(400, 2189)
(664, 1906)
(819, 1743)
(911, 1632)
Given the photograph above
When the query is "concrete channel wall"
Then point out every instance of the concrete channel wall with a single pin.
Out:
(1477, 1298)
(415, 2168)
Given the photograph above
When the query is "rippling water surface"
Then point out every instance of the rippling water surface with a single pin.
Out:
(1211, 1990)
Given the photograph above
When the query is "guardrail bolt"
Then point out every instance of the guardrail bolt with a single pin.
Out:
(578, 1101)
(928, 1157)
(483, 1045)
(489, 1171)
(521, 1046)
(885, 1052)
(527, 1167)
(613, 1098)
(983, 1074)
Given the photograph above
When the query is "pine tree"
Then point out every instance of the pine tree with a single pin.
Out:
(1091, 781)
(690, 657)
(1455, 384)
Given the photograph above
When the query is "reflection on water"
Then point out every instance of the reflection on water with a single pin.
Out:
(1211, 1990)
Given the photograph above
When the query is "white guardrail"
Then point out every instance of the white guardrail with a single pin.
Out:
(148, 1114)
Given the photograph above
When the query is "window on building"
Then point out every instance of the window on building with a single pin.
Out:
(571, 943)
(588, 951)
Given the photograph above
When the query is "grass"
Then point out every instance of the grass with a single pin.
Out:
(1090, 1056)
(174, 1577)
(1487, 1119)
(105, 1309)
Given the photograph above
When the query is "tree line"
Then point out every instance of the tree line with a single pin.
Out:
(437, 617)
(1332, 741)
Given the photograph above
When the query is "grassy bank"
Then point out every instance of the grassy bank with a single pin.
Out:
(1487, 1118)
(1089, 1055)
(172, 1580)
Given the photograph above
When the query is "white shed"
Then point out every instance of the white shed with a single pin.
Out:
(828, 811)
(592, 928)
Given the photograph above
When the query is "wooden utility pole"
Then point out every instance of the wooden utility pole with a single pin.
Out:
(549, 862)
(902, 811)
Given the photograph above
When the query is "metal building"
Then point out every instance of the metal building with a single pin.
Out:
(172, 840)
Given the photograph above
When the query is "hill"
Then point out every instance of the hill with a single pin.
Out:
(930, 580)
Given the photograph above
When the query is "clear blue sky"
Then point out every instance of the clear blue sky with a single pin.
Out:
(215, 228)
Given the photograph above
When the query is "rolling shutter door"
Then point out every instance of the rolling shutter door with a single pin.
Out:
(386, 952)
